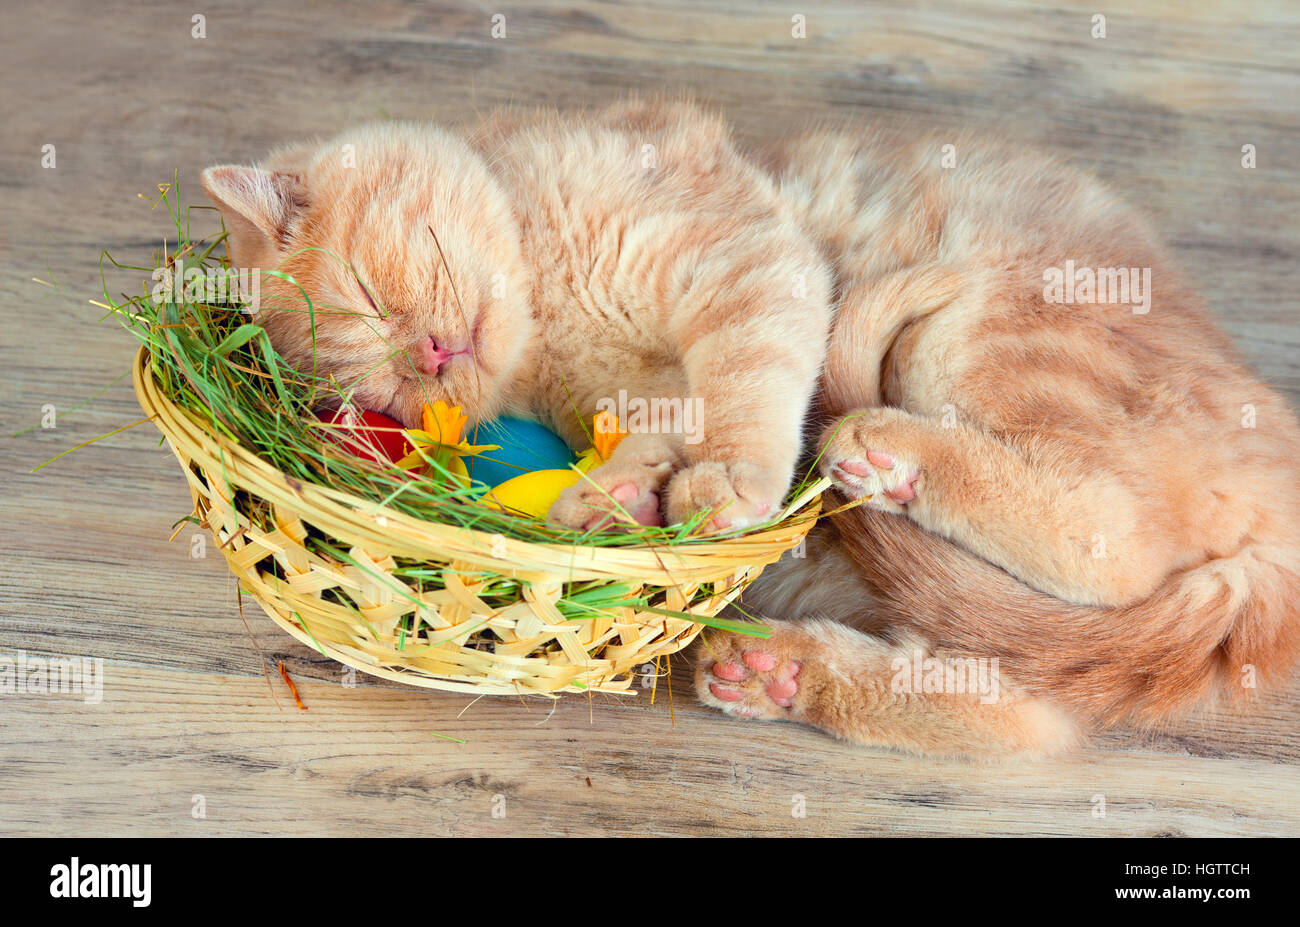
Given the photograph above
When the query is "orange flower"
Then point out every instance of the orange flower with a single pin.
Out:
(608, 433)
(445, 422)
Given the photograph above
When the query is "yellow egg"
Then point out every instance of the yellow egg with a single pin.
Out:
(532, 493)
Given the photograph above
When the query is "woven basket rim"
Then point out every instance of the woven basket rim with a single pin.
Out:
(361, 521)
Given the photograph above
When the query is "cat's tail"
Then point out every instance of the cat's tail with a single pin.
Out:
(1226, 628)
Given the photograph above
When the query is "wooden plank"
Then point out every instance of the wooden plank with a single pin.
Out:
(366, 760)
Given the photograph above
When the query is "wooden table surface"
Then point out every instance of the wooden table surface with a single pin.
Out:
(1160, 107)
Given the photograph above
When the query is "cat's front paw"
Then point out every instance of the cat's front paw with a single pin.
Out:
(737, 495)
(614, 493)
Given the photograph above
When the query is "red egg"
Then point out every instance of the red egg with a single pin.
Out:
(371, 435)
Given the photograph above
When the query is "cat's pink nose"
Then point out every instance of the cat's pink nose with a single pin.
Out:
(432, 356)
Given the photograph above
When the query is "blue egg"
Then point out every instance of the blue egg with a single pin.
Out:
(525, 446)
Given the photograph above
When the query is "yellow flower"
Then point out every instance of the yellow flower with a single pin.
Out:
(440, 438)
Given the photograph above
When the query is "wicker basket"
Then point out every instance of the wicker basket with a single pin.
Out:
(356, 611)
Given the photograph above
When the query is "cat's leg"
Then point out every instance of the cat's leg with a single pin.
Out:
(866, 689)
(752, 377)
(625, 489)
(727, 425)
(1067, 528)
(754, 373)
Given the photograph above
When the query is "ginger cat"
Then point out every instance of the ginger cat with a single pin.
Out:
(1098, 495)
(1066, 488)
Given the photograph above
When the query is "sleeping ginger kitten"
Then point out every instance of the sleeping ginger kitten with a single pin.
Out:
(1001, 440)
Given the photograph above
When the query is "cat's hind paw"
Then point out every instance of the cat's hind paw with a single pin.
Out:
(861, 468)
(747, 682)
(875, 474)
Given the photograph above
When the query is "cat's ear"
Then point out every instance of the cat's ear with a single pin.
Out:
(259, 206)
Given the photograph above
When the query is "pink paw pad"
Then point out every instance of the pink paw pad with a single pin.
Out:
(905, 491)
(644, 509)
(853, 467)
(783, 691)
(623, 493)
(729, 671)
(734, 683)
(727, 695)
(647, 513)
(880, 459)
(759, 660)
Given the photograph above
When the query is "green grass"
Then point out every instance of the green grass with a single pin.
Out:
(215, 361)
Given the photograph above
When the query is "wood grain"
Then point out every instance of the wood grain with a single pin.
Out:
(1160, 108)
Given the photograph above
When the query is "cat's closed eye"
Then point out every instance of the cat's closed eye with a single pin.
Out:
(365, 290)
